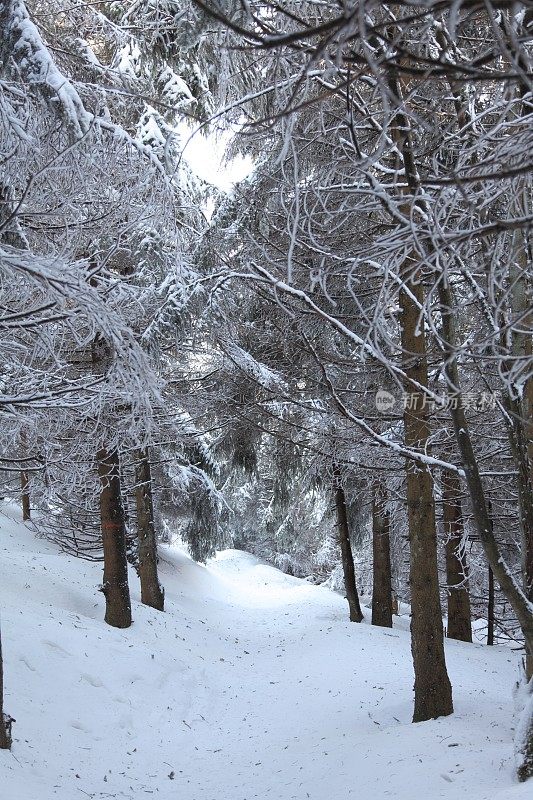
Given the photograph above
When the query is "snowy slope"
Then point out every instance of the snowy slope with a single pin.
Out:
(252, 685)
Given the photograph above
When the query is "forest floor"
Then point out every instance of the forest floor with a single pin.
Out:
(252, 685)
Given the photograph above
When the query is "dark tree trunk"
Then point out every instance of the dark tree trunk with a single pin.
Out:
(490, 609)
(152, 593)
(433, 691)
(115, 586)
(521, 445)
(356, 615)
(382, 579)
(519, 399)
(480, 507)
(5, 721)
(459, 615)
(24, 486)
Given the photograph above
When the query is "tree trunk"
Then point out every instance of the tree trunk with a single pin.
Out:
(115, 586)
(356, 615)
(520, 436)
(490, 609)
(433, 691)
(459, 616)
(24, 485)
(523, 340)
(519, 383)
(152, 593)
(512, 591)
(5, 722)
(381, 574)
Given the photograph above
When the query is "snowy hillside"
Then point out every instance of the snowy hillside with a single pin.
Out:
(253, 684)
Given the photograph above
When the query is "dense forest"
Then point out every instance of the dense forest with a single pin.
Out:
(328, 365)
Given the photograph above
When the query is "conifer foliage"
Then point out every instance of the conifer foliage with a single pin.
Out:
(329, 365)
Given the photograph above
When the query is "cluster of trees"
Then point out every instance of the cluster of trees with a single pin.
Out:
(390, 218)
(336, 369)
(97, 217)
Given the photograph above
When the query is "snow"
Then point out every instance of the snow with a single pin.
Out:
(253, 684)
(175, 91)
(129, 60)
(524, 711)
(38, 67)
(255, 370)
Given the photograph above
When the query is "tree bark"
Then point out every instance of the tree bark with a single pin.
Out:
(519, 411)
(152, 593)
(5, 723)
(24, 486)
(490, 609)
(381, 573)
(433, 691)
(512, 591)
(522, 351)
(115, 586)
(356, 615)
(520, 393)
(459, 614)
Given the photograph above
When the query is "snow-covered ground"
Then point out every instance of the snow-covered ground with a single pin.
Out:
(253, 684)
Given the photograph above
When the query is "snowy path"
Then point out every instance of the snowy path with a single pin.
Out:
(251, 685)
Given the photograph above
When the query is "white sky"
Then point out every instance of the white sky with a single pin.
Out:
(205, 156)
